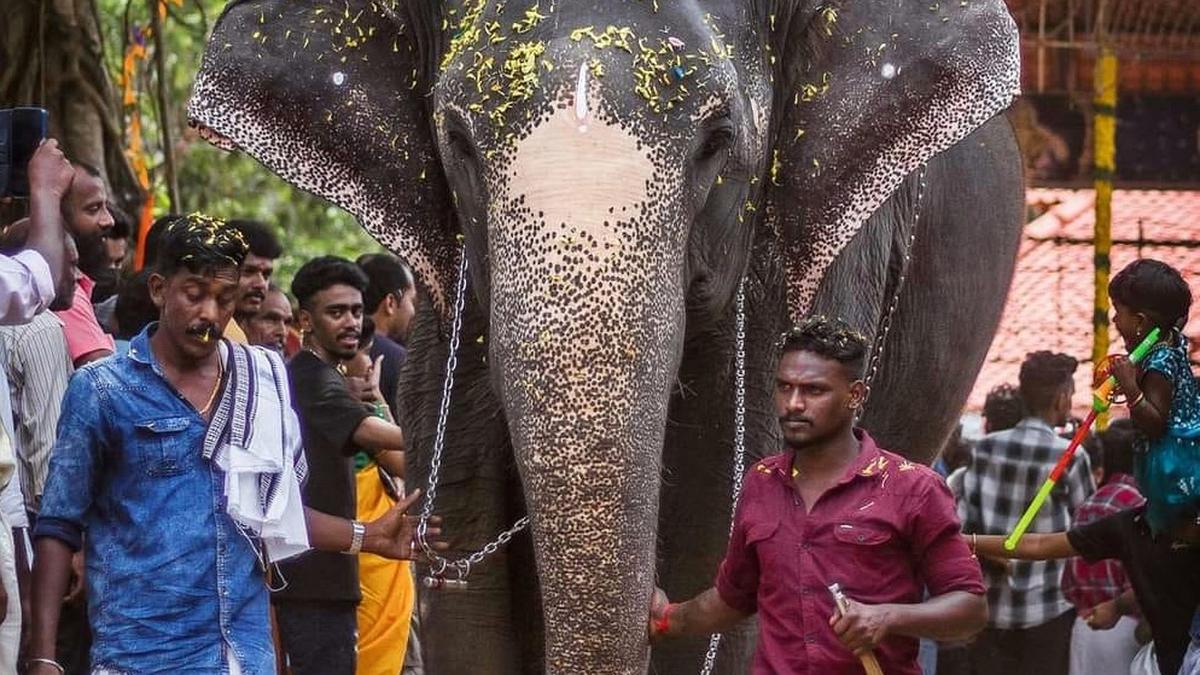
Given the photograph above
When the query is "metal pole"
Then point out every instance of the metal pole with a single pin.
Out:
(1104, 128)
(164, 109)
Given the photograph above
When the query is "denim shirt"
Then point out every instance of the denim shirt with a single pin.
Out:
(172, 582)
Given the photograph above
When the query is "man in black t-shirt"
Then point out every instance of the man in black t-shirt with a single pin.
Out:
(316, 608)
(390, 299)
(1164, 573)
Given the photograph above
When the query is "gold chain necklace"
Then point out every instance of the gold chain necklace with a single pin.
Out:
(216, 387)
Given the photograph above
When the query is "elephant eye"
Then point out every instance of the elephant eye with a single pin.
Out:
(460, 145)
(719, 140)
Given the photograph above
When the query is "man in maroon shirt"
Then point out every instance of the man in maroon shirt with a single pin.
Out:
(836, 508)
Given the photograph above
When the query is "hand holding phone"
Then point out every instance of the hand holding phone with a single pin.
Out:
(21, 132)
(49, 170)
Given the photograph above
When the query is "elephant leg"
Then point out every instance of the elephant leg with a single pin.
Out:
(481, 629)
(962, 265)
(695, 503)
(472, 630)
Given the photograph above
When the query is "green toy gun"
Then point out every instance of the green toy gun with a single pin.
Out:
(1101, 401)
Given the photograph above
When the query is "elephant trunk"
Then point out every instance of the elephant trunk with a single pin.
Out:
(586, 403)
(586, 246)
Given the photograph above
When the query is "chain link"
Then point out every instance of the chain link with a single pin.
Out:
(440, 565)
(886, 327)
(739, 439)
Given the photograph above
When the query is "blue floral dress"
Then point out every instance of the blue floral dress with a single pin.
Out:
(1168, 467)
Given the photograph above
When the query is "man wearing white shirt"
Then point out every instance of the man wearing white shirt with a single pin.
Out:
(29, 280)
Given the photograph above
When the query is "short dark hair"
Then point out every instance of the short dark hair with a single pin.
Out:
(135, 309)
(1043, 376)
(1118, 441)
(831, 338)
(321, 273)
(259, 237)
(1155, 289)
(122, 226)
(199, 244)
(154, 234)
(89, 169)
(1003, 408)
(366, 335)
(385, 274)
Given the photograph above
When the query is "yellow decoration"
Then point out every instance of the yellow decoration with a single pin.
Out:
(1104, 153)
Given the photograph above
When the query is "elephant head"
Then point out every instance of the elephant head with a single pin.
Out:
(609, 167)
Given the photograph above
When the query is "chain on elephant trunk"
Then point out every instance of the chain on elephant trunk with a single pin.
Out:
(447, 573)
(739, 437)
(886, 327)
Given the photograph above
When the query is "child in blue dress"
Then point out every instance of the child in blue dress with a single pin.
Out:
(1164, 404)
(1161, 392)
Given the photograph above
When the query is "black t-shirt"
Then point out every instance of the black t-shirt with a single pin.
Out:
(394, 356)
(1165, 576)
(329, 415)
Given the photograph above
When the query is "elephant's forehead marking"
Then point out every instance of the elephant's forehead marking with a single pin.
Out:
(581, 180)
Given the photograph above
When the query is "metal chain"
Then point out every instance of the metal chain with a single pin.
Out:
(461, 566)
(739, 439)
(886, 327)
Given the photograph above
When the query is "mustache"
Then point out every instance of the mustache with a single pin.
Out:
(256, 293)
(795, 417)
(205, 331)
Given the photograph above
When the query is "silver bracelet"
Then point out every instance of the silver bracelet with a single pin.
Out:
(48, 662)
(357, 532)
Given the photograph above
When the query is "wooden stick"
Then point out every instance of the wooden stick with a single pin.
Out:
(869, 662)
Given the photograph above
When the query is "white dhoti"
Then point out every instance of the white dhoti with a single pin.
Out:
(1103, 652)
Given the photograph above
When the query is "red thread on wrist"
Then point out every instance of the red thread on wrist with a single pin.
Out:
(663, 623)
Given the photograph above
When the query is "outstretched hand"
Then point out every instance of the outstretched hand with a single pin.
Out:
(861, 627)
(393, 535)
(658, 614)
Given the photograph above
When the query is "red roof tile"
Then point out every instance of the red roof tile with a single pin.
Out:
(1051, 298)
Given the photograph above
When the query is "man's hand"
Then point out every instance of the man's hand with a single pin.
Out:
(75, 589)
(49, 171)
(1126, 374)
(1104, 616)
(658, 611)
(392, 535)
(862, 627)
(360, 388)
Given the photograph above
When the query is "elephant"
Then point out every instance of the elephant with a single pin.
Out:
(632, 184)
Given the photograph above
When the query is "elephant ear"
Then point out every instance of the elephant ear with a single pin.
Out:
(870, 90)
(331, 97)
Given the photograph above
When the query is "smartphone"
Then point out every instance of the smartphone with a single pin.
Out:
(22, 130)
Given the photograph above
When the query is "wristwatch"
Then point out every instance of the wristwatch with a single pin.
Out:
(358, 531)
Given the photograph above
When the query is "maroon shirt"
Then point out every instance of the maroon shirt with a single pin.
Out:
(887, 530)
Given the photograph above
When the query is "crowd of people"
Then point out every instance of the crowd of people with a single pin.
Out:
(127, 388)
(173, 438)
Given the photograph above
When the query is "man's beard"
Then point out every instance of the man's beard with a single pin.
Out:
(93, 256)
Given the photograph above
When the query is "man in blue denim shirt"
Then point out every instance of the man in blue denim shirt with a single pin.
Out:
(174, 584)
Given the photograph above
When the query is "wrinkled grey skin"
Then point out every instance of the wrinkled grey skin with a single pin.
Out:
(609, 207)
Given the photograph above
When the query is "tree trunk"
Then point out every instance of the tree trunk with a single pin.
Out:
(51, 56)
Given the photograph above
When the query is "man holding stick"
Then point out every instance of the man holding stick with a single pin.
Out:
(828, 510)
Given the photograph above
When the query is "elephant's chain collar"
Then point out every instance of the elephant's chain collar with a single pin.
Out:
(447, 573)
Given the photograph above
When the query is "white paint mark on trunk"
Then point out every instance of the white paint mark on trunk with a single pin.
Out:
(581, 100)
